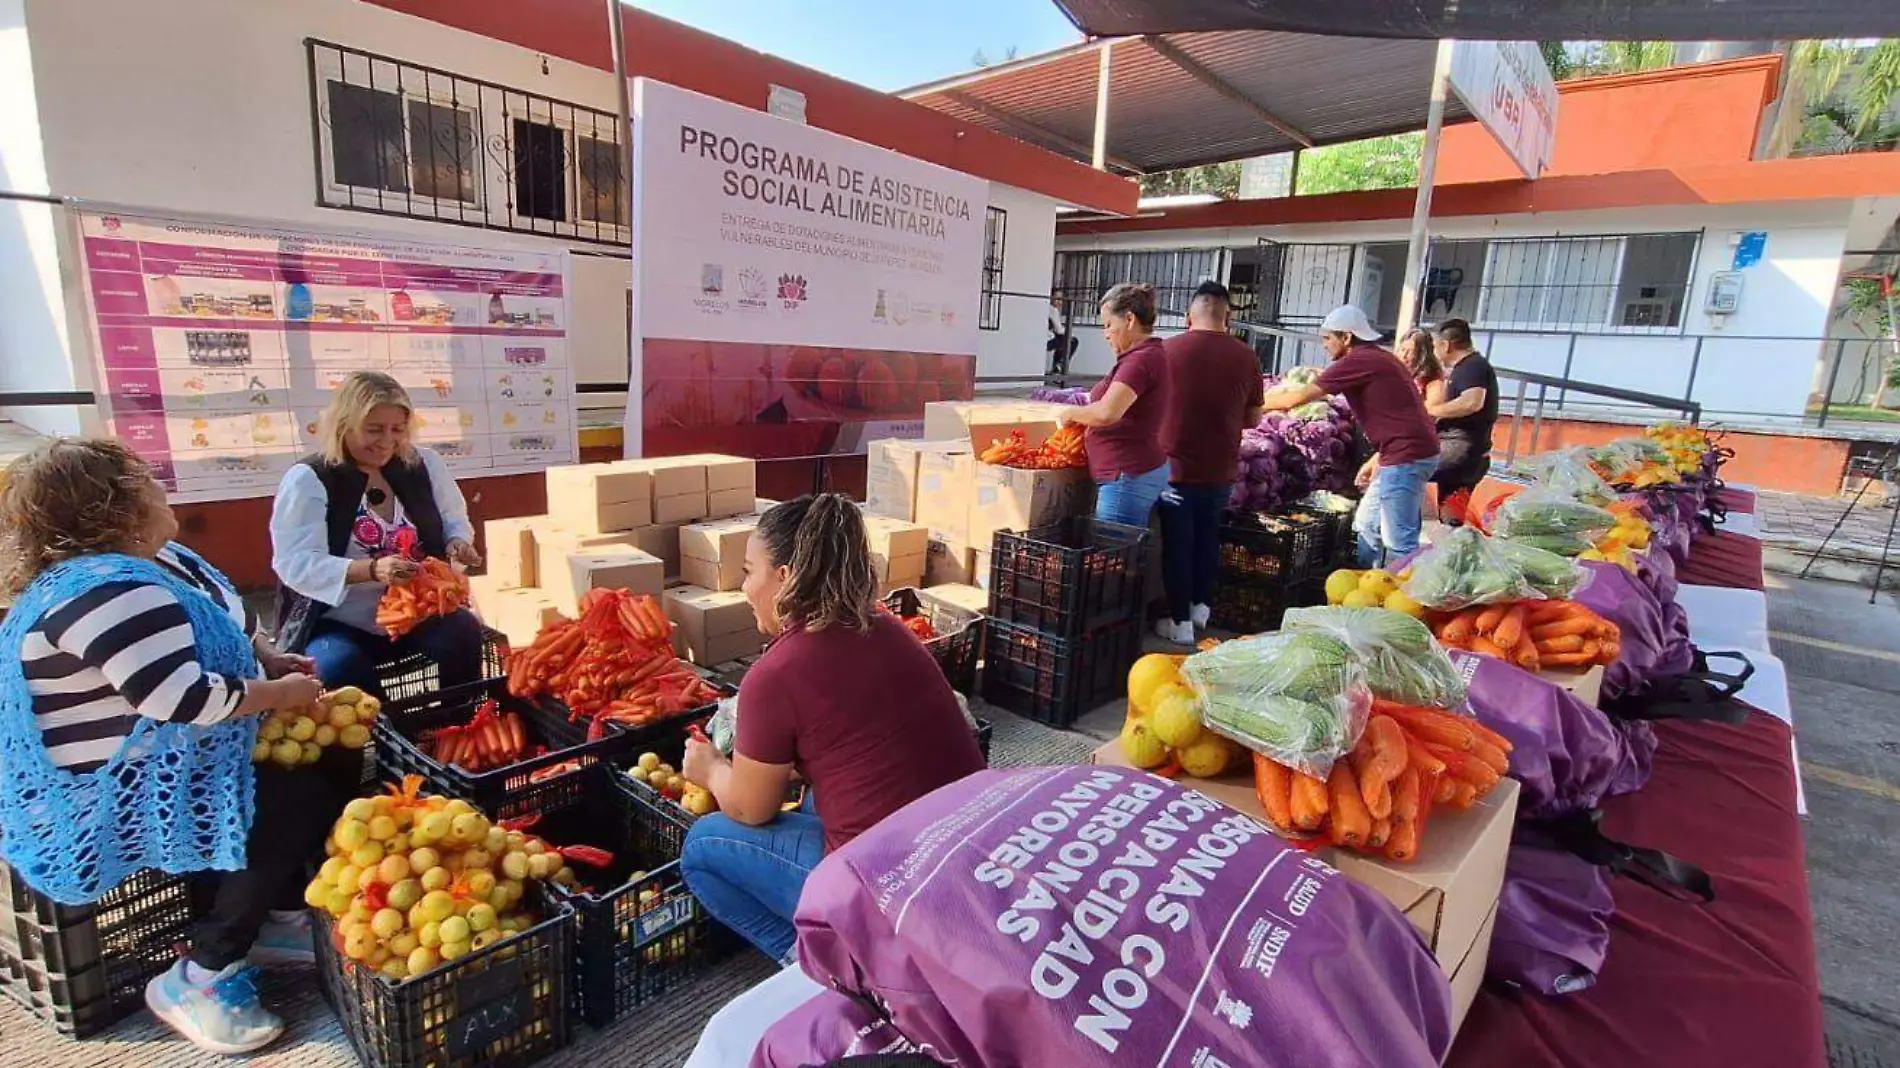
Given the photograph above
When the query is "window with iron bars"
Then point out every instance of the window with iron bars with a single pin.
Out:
(1083, 277)
(995, 237)
(1597, 284)
(398, 138)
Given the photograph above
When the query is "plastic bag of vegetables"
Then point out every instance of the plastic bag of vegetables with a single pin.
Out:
(1403, 662)
(1554, 576)
(1299, 699)
(1461, 569)
(1568, 471)
(1553, 521)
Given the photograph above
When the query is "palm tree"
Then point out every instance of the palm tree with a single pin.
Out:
(1814, 116)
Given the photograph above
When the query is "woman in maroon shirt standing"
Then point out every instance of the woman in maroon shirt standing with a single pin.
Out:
(1126, 409)
(845, 696)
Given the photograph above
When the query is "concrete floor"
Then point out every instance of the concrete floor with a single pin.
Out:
(1843, 660)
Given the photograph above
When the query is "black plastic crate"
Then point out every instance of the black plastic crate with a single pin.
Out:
(409, 676)
(959, 641)
(1261, 547)
(639, 932)
(1339, 546)
(1054, 680)
(531, 785)
(1069, 578)
(82, 968)
(505, 1006)
(1257, 607)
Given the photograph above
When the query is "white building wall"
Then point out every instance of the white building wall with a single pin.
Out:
(1760, 361)
(203, 107)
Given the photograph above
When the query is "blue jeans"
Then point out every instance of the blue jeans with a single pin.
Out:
(1190, 545)
(1392, 511)
(750, 878)
(1130, 499)
(347, 656)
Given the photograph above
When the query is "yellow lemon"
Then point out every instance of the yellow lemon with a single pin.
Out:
(1362, 598)
(1149, 675)
(1377, 582)
(1176, 719)
(1339, 584)
(1400, 601)
(1141, 747)
(1207, 757)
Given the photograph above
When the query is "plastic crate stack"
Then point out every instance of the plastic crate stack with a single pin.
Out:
(1270, 563)
(958, 644)
(1066, 609)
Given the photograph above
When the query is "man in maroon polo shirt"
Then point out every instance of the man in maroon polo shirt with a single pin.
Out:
(1216, 393)
(1380, 392)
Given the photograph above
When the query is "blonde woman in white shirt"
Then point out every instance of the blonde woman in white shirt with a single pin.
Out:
(354, 518)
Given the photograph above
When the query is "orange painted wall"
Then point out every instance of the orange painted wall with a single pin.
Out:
(1684, 116)
(1790, 464)
(576, 30)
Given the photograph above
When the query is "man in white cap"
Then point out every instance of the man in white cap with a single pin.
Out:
(1379, 390)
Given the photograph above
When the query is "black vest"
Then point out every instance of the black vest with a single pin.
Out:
(343, 486)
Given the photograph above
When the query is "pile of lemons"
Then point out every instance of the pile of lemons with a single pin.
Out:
(1164, 722)
(1370, 589)
(289, 737)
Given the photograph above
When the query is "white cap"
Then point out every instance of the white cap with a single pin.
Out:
(1347, 319)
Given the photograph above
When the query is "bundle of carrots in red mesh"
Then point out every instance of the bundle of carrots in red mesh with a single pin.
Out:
(615, 664)
(1532, 634)
(437, 590)
(491, 739)
(1062, 449)
(1378, 796)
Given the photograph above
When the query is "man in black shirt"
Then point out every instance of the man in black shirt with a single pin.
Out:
(1465, 418)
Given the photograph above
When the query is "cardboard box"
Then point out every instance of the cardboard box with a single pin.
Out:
(967, 597)
(946, 482)
(680, 508)
(519, 614)
(599, 498)
(673, 476)
(713, 554)
(728, 473)
(713, 626)
(980, 569)
(510, 549)
(761, 505)
(663, 541)
(890, 479)
(983, 422)
(1448, 892)
(611, 567)
(898, 548)
(949, 563)
(729, 502)
(1010, 498)
(1468, 977)
(482, 591)
(1586, 686)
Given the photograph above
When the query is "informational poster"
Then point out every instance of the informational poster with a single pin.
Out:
(1506, 85)
(218, 347)
(796, 292)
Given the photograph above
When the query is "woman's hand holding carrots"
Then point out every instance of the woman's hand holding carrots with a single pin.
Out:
(436, 590)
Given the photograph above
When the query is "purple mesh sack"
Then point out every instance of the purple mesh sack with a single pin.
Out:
(1568, 756)
(1655, 644)
(826, 1028)
(1553, 927)
(1096, 916)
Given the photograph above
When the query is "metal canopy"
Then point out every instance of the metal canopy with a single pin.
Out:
(1499, 20)
(1185, 99)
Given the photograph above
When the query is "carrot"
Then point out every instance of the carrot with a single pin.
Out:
(1445, 790)
(1352, 823)
(1463, 795)
(1272, 784)
(1421, 758)
(1570, 660)
(1309, 802)
(1461, 627)
(1468, 768)
(1405, 797)
(1381, 832)
(1561, 628)
(1489, 619)
(1403, 843)
(1486, 734)
(1170, 770)
(1540, 612)
(1438, 728)
(1511, 628)
(1388, 748)
(1486, 647)
(1527, 657)
(1492, 756)
(1565, 643)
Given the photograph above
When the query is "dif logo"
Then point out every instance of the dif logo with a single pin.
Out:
(792, 291)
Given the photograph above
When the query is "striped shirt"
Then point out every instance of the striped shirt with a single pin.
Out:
(119, 651)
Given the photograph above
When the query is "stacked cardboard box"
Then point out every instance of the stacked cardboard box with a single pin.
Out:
(712, 554)
(713, 626)
(899, 552)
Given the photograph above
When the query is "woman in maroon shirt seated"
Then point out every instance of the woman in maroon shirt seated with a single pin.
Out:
(1126, 409)
(845, 696)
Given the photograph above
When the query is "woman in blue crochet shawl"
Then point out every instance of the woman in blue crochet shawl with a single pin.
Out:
(131, 676)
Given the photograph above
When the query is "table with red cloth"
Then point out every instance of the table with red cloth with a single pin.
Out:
(1735, 499)
(1723, 559)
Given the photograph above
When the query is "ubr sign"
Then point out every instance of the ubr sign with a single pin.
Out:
(796, 291)
(1507, 86)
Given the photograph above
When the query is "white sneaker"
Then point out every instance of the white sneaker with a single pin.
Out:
(1177, 633)
(284, 942)
(1199, 614)
(221, 1016)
